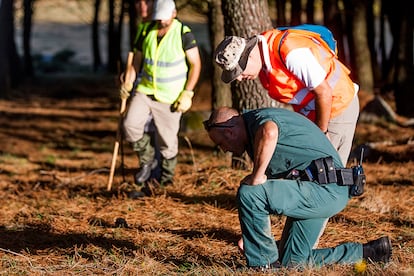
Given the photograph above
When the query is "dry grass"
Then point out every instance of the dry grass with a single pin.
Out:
(58, 219)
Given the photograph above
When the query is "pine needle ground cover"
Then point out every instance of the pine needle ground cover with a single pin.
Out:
(57, 218)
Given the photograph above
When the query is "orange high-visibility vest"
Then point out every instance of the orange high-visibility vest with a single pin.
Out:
(285, 87)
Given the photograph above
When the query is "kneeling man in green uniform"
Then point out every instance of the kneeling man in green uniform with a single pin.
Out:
(296, 173)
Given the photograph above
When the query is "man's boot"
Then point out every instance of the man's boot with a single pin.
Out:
(144, 171)
(379, 250)
(145, 152)
(167, 171)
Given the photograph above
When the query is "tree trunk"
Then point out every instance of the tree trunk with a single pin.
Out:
(404, 72)
(296, 12)
(332, 19)
(118, 35)
(96, 52)
(370, 19)
(359, 49)
(385, 61)
(133, 22)
(9, 65)
(27, 32)
(221, 91)
(112, 48)
(5, 23)
(281, 13)
(310, 11)
(246, 18)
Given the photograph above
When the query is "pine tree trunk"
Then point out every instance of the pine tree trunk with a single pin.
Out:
(280, 13)
(10, 63)
(27, 33)
(97, 61)
(5, 8)
(360, 51)
(246, 18)
(133, 22)
(404, 72)
(310, 11)
(332, 19)
(296, 12)
(112, 35)
(221, 91)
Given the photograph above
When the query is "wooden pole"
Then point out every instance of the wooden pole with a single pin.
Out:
(121, 113)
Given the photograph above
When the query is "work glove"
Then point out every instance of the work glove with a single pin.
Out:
(183, 103)
(126, 87)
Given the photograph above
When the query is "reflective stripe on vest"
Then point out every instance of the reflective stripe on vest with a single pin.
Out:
(283, 86)
(165, 70)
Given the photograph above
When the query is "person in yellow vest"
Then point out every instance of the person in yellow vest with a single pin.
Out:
(169, 61)
(302, 71)
(144, 9)
(297, 70)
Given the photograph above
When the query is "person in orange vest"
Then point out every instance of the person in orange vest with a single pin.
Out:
(297, 68)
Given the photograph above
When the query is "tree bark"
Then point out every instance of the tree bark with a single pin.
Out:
(27, 33)
(404, 68)
(281, 13)
(332, 19)
(96, 52)
(112, 39)
(310, 11)
(10, 64)
(245, 18)
(359, 49)
(370, 19)
(133, 22)
(221, 91)
(296, 12)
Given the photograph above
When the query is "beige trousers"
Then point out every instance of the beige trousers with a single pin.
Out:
(167, 123)
(341, 129)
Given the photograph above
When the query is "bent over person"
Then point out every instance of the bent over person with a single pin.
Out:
(169, 62)
(300, 69)
(287, 150)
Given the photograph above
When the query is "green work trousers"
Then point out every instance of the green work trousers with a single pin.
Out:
(307, 205)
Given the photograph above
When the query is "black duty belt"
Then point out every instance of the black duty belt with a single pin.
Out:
(323, 171)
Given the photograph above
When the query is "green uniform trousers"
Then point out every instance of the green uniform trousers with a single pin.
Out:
(307, 205)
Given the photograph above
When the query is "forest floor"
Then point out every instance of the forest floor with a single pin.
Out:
(57, 138)
(57, 217)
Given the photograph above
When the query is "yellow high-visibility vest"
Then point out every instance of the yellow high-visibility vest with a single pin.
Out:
(164, 67)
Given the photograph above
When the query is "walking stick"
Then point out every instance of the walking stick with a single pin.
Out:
(118, 134)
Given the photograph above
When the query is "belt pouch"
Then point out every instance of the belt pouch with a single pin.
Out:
(330, 170)
(345, 177)
(320, 171)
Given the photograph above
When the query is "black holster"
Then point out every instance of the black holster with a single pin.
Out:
(323, 171)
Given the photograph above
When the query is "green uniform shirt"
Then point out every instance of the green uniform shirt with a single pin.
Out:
(300, 141)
